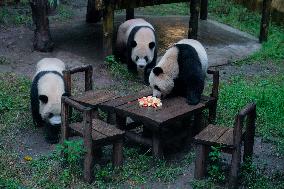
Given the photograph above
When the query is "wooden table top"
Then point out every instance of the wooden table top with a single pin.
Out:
(172, 109)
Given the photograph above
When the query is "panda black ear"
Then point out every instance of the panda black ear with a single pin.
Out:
(43, 98)
(133, 44)
(157, 71)
(152, 45)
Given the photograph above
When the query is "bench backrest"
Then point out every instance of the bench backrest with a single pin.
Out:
(248, 115)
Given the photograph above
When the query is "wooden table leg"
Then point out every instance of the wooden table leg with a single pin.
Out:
(108, 17)
(42, 38)
(117, 155)
(89, 146)
(202, 153)
(120, 122)
(129, 13)
(65, 131)
(199, 122)
(204, 9)
(157, 145)
(111, 118)
(193, 22)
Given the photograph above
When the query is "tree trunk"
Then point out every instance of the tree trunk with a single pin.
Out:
(42, 38)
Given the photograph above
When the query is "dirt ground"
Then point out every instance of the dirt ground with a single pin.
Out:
(78, 43)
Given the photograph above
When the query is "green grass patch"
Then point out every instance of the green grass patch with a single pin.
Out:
(166, 9)
(268, 93)
(15, 16)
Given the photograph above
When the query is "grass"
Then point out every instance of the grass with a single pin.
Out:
(52, 171)
(267, 92)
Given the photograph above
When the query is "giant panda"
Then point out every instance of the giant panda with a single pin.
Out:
(136, 45)
(181, 71)
(46, 91)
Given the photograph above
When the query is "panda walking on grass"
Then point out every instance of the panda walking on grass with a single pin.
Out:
(136, 45)
(181, 71)
(46, 91)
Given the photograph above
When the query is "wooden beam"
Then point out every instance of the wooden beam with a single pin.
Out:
(93, 15)
(108, 17)
(129, 13)
(193, 22)
(204, 9)
(265, 19)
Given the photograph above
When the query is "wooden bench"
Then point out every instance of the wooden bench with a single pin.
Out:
(230, 140)
(156, 121)
(95, 132)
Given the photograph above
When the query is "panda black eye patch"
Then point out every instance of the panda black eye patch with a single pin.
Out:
(157, 88)
(137, 58)
(146, 58)
(152, 45)
(50, 115)
(43, 98)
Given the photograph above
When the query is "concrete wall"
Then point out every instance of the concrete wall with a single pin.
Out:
(277, 8)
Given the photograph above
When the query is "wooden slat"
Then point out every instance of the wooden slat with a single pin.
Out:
(101, 130)
(125, 99)
(93, 98)
(78, 128)
(106, 129)
(210, 134)
(97, 136)
(227, 138)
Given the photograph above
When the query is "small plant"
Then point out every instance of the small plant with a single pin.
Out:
(215, 172)
(118, 69)
(72, 152)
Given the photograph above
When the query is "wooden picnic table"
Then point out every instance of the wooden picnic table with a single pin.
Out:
(156, 120)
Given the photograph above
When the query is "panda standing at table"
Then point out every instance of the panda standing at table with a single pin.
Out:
(136, 44)
(181, 71)
(46, 91)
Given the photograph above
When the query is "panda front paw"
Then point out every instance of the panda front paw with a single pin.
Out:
(52, 134)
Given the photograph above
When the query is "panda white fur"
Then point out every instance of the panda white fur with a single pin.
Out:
(46, 91)
(181, 71)
(136, 44)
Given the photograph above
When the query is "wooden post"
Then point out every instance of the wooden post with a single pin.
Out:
(42, 38)
(117, 156)
(93, 15)
(202, 152)
(65, 131)
(89, 78)
(249, 137)
(236, 155)
(108, 16)
(129, 13)
(266, 7)
(193, 22)
(157, 148)
(89, 147)
(204, 9)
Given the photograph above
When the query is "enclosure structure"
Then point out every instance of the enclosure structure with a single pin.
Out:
(105, 8)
